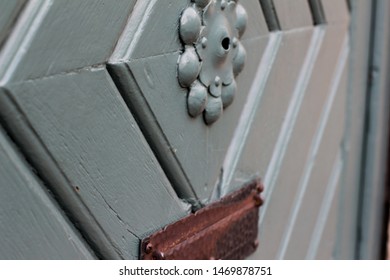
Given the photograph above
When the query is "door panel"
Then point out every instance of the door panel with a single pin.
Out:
(116, 146)
(274, 99)
(336, 11)
(26, 207)
(56, 36)
(286, 154)
(323, 244)
(293, 14)
(326, 152)
(90, 149)
(190, 152)
(9, 13)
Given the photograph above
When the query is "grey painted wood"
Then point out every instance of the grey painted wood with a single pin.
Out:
(319, 171)
(82, 139)
(64, 111)
(56, 36)
(9, 13)
(287, 164)
(327, 236)
(268, 119)
(150, 24)
(257, 25)
(317, 12)
(191, 152)
(354, 130)
(302, 151)
(336, 11)
(31, 224)
(375, 166)
(293, 14)
(261, 147)
(270, 14)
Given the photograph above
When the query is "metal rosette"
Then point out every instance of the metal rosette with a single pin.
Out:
(210, 31)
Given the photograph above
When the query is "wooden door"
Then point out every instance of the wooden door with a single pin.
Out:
(100, 123)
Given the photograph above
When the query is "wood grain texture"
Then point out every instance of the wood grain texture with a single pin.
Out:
(9, 13)
(56, 36)
(32, 225)
(88, 146)
(150, 87)
(293, 14)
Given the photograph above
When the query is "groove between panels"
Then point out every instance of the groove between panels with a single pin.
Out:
(322, 217)
(249, 111)
(287, 128)
(315, 145)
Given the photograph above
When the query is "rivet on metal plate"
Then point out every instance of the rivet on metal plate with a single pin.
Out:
(226, 229)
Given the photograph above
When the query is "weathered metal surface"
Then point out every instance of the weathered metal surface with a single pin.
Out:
(226, 229)
(212, 55)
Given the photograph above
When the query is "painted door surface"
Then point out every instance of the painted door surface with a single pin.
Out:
(101, 143)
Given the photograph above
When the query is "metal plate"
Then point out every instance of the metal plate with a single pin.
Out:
(226, 229)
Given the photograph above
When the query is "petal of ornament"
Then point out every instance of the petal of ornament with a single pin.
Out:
(190, 25)
(189, 67)
(213, 110)
(228, 93)
(242, 19)
(239, 60)
(215, 87)
(197, 98)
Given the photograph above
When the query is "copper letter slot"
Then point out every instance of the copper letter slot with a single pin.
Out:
(226, 229)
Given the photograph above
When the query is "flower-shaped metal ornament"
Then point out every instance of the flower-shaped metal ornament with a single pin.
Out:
(213, 55)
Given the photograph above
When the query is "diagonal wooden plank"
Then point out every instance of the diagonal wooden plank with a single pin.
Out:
(336, 11)
(190, 152)
(32, 225)
(325, 146)
(80, 136)
(57, 36)
(293, 14)
(9, 13)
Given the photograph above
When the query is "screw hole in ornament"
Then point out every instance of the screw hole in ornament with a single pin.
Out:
(226, 43)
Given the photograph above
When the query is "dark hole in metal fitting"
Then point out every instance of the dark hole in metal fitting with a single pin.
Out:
(226, 229)
(226, 43)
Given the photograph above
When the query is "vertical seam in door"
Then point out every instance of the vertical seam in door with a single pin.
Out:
(378, 64)
(291, 116)
(359, 210)
(314, 148)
